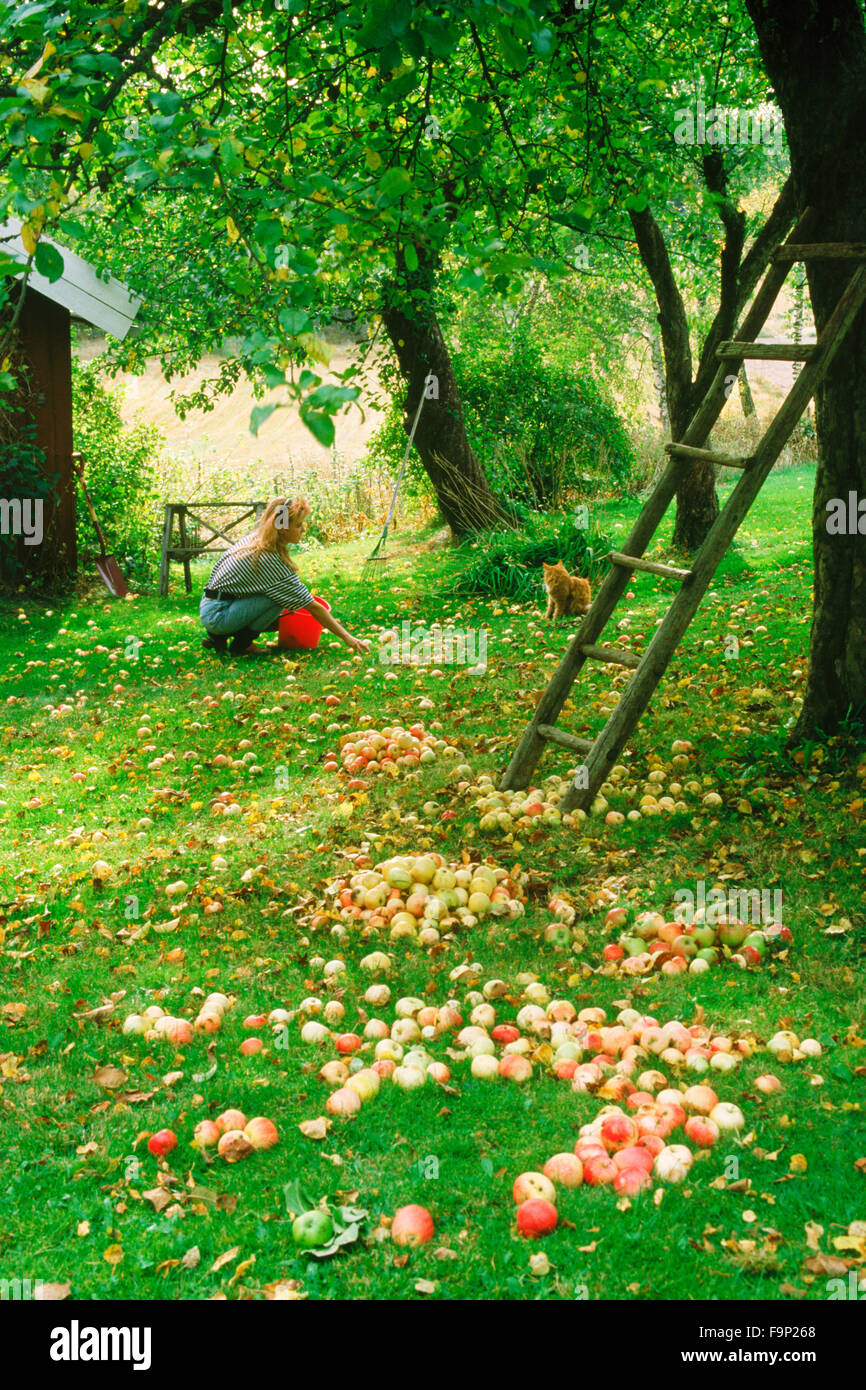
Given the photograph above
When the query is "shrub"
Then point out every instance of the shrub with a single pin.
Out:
(507, 564)
(547, 433)
(120, 468)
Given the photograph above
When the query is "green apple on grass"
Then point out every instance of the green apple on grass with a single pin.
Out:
(312, 1229)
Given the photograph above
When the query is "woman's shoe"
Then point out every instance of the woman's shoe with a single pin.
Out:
(212, 643)
(241, 642)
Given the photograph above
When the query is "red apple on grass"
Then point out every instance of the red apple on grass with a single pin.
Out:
(599, 1169)
(162, 1142)
(536, 1217)
(565, 1169)
(262, 1133)
(630, 1181)
(618, 1131)
(412, 1225)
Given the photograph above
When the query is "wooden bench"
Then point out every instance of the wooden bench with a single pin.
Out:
(187, 550)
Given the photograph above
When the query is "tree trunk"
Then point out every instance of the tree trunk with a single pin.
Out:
(815, 56)
(697, 504)
(658, 366)
(462, 491)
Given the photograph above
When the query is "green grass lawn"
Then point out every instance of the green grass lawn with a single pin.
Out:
(105, 688)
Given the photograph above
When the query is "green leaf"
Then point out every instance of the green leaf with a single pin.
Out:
(321, 426)
(48, 261)
(258, 415)
(410, 256)
(297, 1201)
(440, 37)
(268, 231)
(166, 103)
(394, 183)
(385, 21)
(329, 396)
(295, 321)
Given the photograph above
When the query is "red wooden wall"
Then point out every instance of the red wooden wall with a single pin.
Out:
(46, 341)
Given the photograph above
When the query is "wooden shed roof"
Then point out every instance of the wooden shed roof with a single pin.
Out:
(107, 304)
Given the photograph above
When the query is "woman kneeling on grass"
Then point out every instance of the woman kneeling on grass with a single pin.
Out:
(255, 581)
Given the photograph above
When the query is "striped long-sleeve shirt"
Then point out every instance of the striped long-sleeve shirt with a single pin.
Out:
(237, 575)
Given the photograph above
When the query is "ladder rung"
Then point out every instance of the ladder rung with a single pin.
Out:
(770, 352)
(631, 562)
(685, 451)
(822, 251)
(554, 735)
(617, 656)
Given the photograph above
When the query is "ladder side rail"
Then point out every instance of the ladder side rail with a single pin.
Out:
(531, 746)
(660, 650)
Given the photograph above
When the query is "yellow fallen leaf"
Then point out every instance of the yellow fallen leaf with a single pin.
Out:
(110, 1078)
(225, 1259)
(158, 1198)
(315, 1129)
(114, 1254)
(799, 1163)
(242, 1269)
(283, 1291)
(814, 1233)
(857, 1245)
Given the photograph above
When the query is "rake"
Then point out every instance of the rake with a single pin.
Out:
(377, 555)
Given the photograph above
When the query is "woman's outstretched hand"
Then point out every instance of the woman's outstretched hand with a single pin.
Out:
(357, 644)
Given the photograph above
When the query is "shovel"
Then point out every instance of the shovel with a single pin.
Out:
(108, 567)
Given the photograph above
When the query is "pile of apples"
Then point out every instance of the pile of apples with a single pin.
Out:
(387, 750)
(507, 811)
(627, 1151)
(231, 1133)
(674, 945)
(234, 1136)
(225, 804)
(421, 898)
(661, 793)
(153, 1022)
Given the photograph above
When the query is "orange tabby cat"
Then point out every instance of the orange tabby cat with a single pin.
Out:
(566, 593)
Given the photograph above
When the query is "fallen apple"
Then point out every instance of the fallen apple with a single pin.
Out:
(536, 1217)
(312, 1229)
(565, 1169)
(412, 1225)
(262, 1133)
(162, 1142)
(234, 1145)
(530, 1184)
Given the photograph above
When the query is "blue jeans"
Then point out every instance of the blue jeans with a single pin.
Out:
(222, 617)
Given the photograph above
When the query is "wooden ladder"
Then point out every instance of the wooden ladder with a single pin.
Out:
(601, 753)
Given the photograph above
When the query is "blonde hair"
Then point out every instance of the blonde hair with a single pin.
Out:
(270, 533)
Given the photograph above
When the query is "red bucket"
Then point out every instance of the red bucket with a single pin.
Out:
(299, 631)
